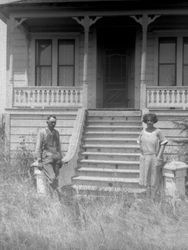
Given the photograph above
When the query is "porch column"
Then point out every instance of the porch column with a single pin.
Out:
(144, 21)
(10, 75)
(86, 22)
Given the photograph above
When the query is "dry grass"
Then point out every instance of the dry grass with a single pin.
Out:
(30, 222)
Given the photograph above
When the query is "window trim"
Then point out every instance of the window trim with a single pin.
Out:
(158, 59)
(179, 35)
(54, 37)
(39, 66)
(58, 65)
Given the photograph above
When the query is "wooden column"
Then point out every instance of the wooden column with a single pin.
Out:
(144, 21)
(86, 22)
(10, 75)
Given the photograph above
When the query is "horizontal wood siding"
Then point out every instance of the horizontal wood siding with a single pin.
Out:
(20, 59)
(150, 76)
(24, 129)
(2, 65)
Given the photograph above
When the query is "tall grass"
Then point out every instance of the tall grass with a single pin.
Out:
(31, 222)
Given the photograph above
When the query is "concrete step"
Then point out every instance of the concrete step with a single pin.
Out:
(106, 191)
(109, 164)
(106, 181)
(110, 156)
(111, 141)
(108, 172)
(112, 128)
(111, 148)
(112, 134)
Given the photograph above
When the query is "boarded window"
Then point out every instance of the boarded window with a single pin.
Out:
(66, 62)
(167, 62)
(43, 70)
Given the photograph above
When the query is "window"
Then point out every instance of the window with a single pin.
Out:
(55, 62)
(185, 61)
(43, 69)
(167, 62)
(66, 62)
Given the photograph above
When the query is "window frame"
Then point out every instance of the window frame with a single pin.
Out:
(58, 65)
(179, 35)
(54, 37)
(175, 63)
(39, 65)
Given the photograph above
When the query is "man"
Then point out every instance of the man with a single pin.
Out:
(48, 151)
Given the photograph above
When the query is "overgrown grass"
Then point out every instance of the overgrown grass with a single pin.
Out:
(30, 222)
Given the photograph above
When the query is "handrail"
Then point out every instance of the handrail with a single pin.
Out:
(71, 157)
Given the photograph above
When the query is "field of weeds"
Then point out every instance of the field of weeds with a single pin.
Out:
(30, 222)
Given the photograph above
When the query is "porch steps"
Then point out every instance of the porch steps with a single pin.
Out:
(109, 155)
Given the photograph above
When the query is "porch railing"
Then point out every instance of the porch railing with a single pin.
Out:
(47, 96)
(167, 97)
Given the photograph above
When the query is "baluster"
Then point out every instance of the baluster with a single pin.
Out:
(26, 97)
(165, 96)
(45, 96)
(36, 97)
(54, 96)
(69, 96)
(50, 97)
(40, 96)
(149, 96)
(59, 96)
(64, 96)
(160, 93)
(180, 96)
(175, 96)
(31, 97)
(74, 96)
(154, 96)
(170, 96)
(78, 95)
(185, 96)
(16, 96)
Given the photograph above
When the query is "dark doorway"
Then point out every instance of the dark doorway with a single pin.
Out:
(116, 67)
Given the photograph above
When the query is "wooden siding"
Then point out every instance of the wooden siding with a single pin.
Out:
(20, 52)
(2, 65)
(23, 128)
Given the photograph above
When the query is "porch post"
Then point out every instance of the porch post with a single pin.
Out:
(144, 21)
(10, 75)
(86, 22)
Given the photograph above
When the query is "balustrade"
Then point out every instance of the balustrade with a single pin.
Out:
(47, 96)
(167, 97)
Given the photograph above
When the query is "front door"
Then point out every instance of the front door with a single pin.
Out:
(116, 69)
(115, 78)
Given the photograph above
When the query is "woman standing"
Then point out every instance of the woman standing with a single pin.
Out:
(152, 144)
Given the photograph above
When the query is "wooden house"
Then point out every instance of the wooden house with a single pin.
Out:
(98, 65)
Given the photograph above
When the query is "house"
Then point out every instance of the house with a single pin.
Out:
(98, 65)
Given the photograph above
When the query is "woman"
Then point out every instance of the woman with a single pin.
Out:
(152, 144)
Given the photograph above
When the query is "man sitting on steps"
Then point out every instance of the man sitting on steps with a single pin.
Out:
(48, 151)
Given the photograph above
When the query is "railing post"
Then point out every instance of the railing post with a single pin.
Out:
(10, 76)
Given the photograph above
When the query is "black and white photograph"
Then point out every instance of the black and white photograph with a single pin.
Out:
(93, 125)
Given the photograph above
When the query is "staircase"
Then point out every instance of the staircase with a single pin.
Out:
(109, 155)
